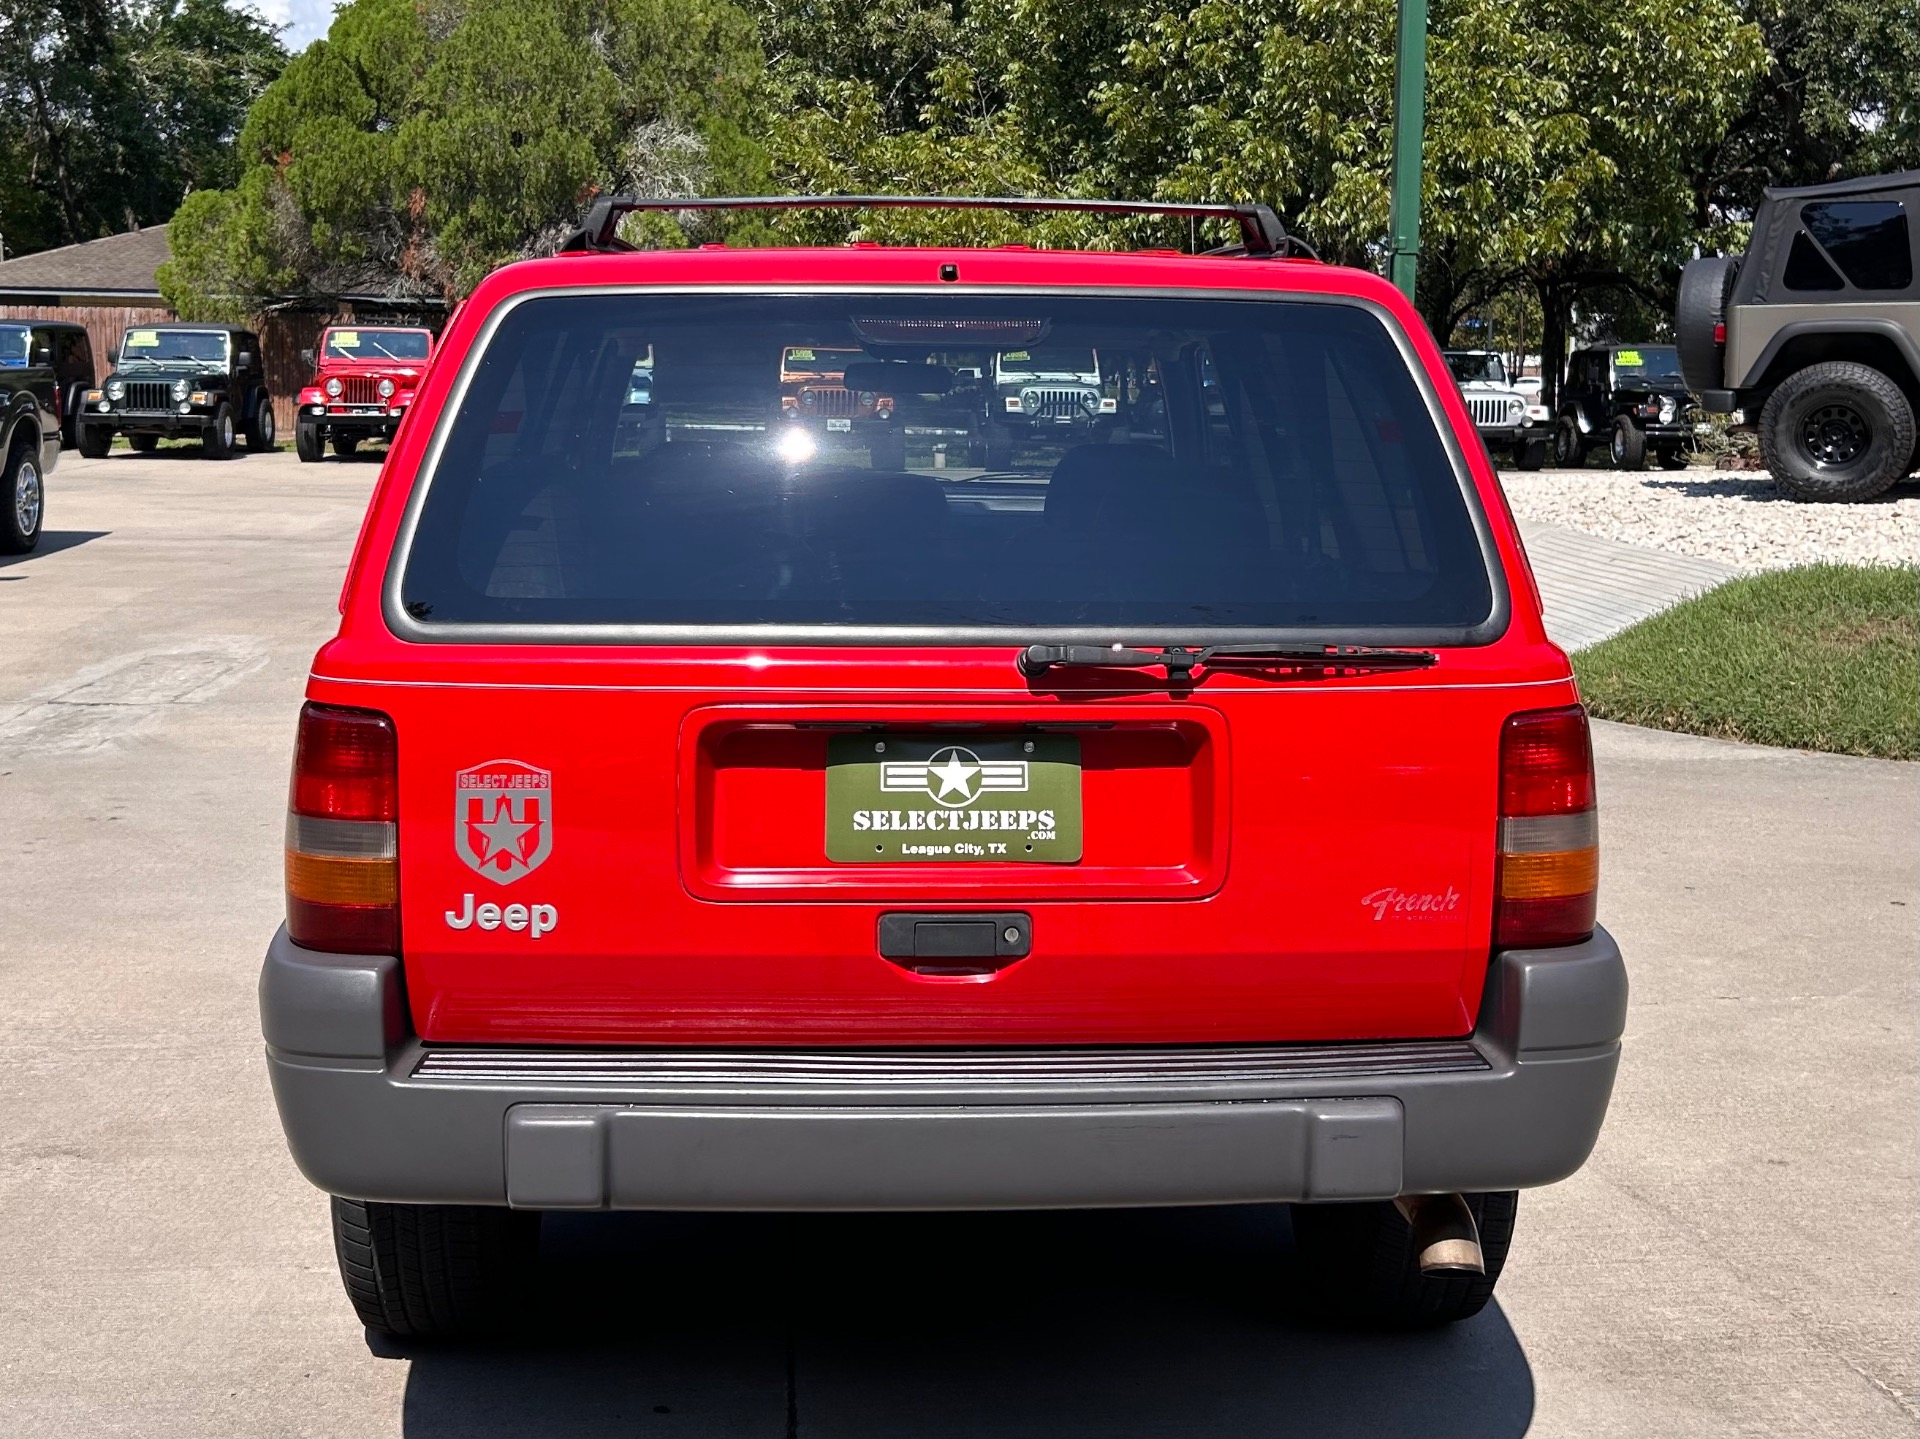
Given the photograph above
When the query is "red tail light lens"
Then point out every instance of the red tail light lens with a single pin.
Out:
(1549, 864)
(343, 866)
(1720, 334)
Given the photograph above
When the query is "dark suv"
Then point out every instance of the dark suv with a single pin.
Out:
(1631, 399)
(29, 430)
(175, 380)
(1814, 335)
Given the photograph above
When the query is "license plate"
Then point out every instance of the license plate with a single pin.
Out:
(839, 427)
(953, 799)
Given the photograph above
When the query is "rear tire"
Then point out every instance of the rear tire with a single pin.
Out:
(1700, 309)
(309, 443)
(143, 444)
(1569, 445)
(345, 445)
(1530, 454)
(1836, 431)
(1627, 445)
(95, 441)
(23, 498)
(261, 432)
(216, 441)
(435, 1269)
(1360, 1268)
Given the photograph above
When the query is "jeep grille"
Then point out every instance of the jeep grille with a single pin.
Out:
(1058, 404)
(1488, 409)
(830, 401)
(359, 390)
(149, 395)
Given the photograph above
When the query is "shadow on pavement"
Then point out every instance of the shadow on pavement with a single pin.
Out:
(1108, 1325)
(51, 543)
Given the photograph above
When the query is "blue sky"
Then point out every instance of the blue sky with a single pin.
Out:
(306, 20)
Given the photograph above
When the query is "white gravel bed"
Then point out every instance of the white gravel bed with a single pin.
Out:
(1735, 517)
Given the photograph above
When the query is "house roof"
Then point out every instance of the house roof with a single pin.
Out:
(116, 268)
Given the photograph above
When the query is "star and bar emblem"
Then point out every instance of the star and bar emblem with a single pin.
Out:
(503, 818)
(954, 776)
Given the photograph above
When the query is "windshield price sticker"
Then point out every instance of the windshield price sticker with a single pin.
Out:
(948, 799)
(347, 339)
(1628, 357)
(142, 339)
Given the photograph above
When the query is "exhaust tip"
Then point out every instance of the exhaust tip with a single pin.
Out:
(1444, 1235)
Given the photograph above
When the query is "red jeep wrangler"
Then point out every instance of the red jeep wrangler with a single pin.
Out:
(364, 380)
(1194, 813)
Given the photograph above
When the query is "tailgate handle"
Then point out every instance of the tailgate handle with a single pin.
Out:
(966, 943)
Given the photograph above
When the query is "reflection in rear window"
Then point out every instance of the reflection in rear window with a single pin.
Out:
(1227, 463)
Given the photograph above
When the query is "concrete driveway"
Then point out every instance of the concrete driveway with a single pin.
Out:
(1739, 1257)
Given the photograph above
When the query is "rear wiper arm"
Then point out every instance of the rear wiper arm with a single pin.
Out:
(1182, 660)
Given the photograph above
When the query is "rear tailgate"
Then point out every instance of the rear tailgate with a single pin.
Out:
(1261, 863)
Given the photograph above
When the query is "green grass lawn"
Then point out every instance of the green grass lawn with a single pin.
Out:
(1826, 658)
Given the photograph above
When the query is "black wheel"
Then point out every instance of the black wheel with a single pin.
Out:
(1569, 445)
(344, 445)
(1360, 1268)
(261, 431)
(143, 444)
(1530, 454)
(216, 441)
(435, 1269)
(1627, 445)
(309, 442)
(1698, 313)
(999, 448)
(1836, 431)
(23, 498)
(95, 441)
(888, 451)
(1673, 459)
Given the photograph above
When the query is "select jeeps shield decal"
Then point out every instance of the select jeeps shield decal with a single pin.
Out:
(929, 797)
(503, 818)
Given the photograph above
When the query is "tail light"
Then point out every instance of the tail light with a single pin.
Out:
(1549, 867)
(343, 865)
(1720, 333)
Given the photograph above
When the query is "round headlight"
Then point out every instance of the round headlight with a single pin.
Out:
(806, 398)
(1030, 400)
(867, 398)
(115, 390)
(180, 388)
(1516, 407)
(386, 388)
(1668, 408)
(1090, 402)
(334, 387)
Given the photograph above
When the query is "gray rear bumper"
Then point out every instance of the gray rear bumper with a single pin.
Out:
(372, 1113)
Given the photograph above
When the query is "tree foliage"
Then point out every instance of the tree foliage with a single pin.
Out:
(424, 142)
(111, 112)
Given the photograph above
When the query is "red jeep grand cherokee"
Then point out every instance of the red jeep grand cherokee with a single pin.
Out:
(1191, 813)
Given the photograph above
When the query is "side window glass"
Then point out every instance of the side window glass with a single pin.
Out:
(1807, 268)
(1867, 239)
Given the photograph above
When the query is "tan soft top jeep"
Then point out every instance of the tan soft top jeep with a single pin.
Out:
(1815, 334)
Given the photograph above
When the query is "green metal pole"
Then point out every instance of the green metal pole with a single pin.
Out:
(1409, 126)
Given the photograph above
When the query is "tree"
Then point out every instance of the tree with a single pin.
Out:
(113, 111)
(424, 142)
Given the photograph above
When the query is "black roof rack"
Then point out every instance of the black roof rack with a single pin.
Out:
(1262, 234)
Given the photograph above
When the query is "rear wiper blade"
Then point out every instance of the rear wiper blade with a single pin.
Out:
(1182, 660)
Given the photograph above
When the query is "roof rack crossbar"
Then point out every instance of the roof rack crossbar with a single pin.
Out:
(1263, 236)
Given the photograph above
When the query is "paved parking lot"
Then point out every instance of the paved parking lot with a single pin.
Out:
(1738, 1259)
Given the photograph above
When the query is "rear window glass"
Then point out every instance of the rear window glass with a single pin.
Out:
(954, 461)
(1867, 239)
(375, 345)
(16, 343)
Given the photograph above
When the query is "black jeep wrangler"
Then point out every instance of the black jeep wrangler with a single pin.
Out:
(1814, 335)
(1629, 398)
(174, 380)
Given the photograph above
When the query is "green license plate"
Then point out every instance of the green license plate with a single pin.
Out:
(936, 797)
